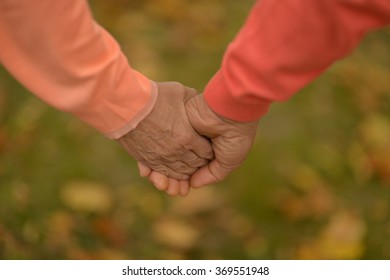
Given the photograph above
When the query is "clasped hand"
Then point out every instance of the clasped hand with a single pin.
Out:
(182, 143)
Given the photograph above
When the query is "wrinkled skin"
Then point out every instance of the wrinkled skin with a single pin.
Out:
(166, 142)
(231, 142)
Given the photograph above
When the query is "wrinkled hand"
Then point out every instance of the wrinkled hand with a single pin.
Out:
(231, 142)
(165, 140)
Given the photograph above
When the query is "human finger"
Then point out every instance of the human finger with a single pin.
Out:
(144, 171)
(184, 188)
(173, 187)
(209, 174)
(159, 180)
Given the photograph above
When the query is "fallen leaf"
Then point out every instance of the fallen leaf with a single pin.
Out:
(198, 201)
(175, 233)
(88, 197)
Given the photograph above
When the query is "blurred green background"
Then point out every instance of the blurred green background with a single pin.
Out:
(315, 186)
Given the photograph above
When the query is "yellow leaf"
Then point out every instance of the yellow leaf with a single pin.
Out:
(176, 233)
(342, 238)
(199, 201)
(87, 197)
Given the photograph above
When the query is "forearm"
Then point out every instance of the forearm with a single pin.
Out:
(59, 53)
(283, 46)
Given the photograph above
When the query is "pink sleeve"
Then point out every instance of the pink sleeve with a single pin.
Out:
(283, 46)
(56, 50)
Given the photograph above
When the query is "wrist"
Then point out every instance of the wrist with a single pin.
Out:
(223, 118)
(139, 117)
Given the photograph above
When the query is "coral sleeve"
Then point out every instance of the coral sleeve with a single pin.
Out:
(58, 52)
(283, 46)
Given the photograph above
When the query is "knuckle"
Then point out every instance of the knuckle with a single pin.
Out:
(199, 162)
(152, 158)
(193, 160)
(178, 176)
(184, 140)
(183, 168)
(160, 169)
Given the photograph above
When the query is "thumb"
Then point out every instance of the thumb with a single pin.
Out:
(209, 174)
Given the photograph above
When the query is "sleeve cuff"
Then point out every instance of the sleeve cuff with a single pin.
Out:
(143, 113)
(244, 107)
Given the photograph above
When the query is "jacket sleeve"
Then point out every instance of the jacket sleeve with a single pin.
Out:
(58, 52)
(283, 46)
